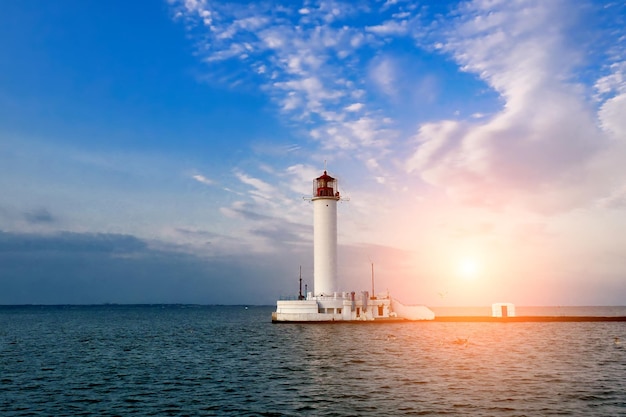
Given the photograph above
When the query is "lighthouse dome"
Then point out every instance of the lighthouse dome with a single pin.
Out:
(325, 186)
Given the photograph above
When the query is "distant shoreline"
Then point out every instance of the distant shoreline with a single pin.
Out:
(545, 314)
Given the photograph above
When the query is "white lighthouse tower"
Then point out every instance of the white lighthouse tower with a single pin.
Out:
(325, 197)
(326, 302)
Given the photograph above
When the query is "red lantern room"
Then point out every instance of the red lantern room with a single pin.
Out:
(325, 186)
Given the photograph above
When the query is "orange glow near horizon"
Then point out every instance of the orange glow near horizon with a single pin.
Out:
(450, 255)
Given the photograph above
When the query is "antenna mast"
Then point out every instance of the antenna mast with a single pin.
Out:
(373, 297)
(300, 296)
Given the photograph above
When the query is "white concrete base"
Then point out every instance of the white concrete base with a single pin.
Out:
(348, 307)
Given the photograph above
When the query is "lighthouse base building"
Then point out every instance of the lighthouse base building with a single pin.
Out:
(348, 307)
(327, 303)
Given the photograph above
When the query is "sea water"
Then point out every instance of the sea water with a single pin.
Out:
(215, 360)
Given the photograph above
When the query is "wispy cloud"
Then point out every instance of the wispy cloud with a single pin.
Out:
(390, 27)
(245, 211)
(202, 179)
(307, 57)
(383, 74)
(322, 67)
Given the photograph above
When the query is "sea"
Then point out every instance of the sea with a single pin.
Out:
(190, 360)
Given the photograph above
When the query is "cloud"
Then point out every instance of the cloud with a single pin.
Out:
(384, 76)
(307, 60)
(617, 199)
(202, 234)
(612, 118)
(538, 151)
(261, 192)
(38, 216)
(354, 107)
(613, 83)
(75, 268)
(544, 149)
(390, 27)
(281, 236)
(67, 241)
(197, 8)
(243, 210)
(311, 91)
(202, 179)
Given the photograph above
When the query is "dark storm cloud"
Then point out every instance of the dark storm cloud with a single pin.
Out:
(92, 268)
(69, 242)
(40, 215)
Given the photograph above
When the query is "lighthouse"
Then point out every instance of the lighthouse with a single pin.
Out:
(326, 303)
(325, 197)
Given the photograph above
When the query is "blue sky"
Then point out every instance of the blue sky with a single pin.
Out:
(159, 151)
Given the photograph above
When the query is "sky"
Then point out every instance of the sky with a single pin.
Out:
(160, 152)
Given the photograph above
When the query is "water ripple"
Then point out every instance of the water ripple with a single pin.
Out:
(182, 360)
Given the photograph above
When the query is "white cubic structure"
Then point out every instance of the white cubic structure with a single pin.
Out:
(328, 302)
(503, 310)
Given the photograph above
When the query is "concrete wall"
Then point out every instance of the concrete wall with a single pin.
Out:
(412, 312)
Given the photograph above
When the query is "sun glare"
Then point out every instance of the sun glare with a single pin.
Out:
(468, 268)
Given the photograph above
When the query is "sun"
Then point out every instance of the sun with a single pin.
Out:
(468, 268)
